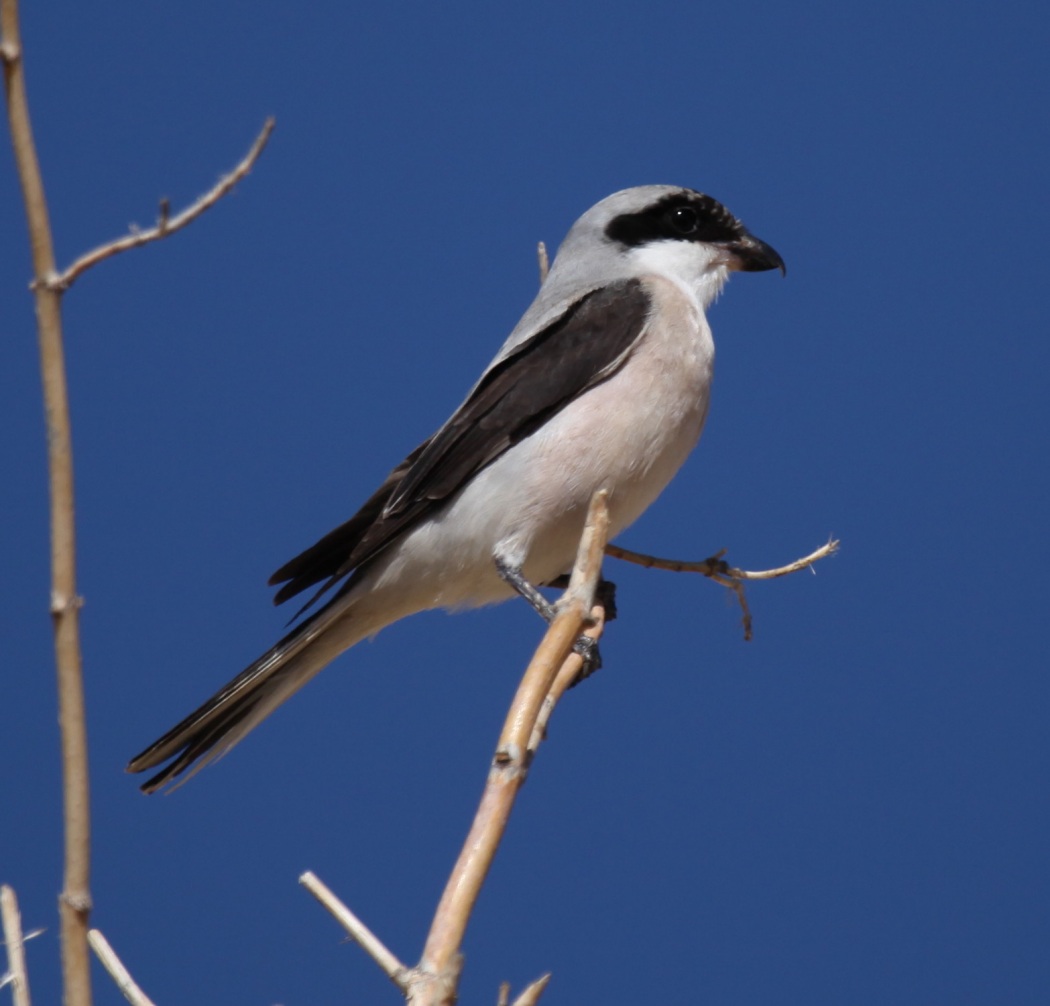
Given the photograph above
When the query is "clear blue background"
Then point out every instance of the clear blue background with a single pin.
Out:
(852, 808)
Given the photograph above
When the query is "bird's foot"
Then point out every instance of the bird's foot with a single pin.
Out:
(584, 645)
(592, 658)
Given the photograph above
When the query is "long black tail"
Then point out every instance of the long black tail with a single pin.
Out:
(210, 731)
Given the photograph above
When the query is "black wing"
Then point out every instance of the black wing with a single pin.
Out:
(515, 397)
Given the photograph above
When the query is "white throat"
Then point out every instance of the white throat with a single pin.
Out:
(701, 270)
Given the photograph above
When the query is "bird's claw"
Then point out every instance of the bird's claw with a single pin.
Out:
(592, 658)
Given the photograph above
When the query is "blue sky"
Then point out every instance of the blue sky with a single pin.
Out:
(851, 808)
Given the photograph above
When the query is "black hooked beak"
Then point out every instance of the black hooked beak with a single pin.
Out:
(753, 255)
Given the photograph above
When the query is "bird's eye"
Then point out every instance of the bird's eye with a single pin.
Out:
(684, 219)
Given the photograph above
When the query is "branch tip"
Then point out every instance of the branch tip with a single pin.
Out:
(357, 930)
(531, 994)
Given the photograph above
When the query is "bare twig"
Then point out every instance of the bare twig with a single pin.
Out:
(166, 224)
(511, 761)
(359, 932)
(717, 569)
(120, 974)
(17, 975)
(716, 565)
(75, 900)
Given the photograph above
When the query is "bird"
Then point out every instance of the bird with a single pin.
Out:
(604, 383)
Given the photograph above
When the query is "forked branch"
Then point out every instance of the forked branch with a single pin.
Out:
(75, 899)
(510, 765)
(553, 668)
(48, 287)
(166, 223)
(717, 569)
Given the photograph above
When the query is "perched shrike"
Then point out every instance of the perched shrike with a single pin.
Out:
(603, 384)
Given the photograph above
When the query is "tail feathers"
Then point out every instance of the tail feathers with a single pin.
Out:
(213, 729)
(202, 744)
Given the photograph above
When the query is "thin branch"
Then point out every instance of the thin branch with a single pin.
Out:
(17, 975)
(806, 562)
(75, 899)
(510, 764)
(166, 224)
(120, 974)
(359, 932)
(717, 566)
(570, 670)
(717, 569)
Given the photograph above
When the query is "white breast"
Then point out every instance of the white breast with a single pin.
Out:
(630, 435)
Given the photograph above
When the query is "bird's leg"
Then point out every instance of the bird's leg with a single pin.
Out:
(605, 595)
(584, 645)
(512, 575)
